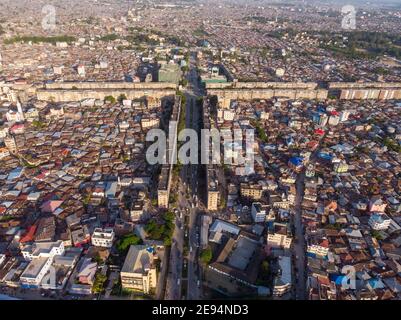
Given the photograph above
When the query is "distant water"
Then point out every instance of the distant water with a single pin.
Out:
(5, 297)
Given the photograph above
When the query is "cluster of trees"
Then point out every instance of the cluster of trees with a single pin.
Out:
(264, 274)
(181, 121)
(392, 145)
(98, 285)
(110, 99)
(163, 231)
(139, 38)
(38, 124)
(373, 44)
(109, 37)
(376, 234)
(126, 241)
(35, 39)
(260, 131)
(200, 32)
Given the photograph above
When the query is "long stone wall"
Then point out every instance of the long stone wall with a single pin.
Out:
(111, 85)
(226, 95)
(263, 85)
(363, 85)
(300, 90)
(366, 90)
(62, 95)
(77, 91)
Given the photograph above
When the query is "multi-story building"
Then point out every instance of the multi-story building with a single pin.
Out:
(4, 152)
(40, 256)
(139, 272)
(253, 191)
(9, 141)
(283, 280)
(147, 123)
(279, 237)
(341, 167)
(213, 195)
(379, 221)
(376, 204)
(103, 237)
(163, 191)
(258, 212)
(319, 248)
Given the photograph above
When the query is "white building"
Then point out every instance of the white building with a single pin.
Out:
(344, 115)
(258, 213)
(81, 70)
(228, 115)
(334, 120)
(40, 255)
(2, 258)
(283, 280)
(278, 240)
(4, 152)
(320, 249)
(43, 250)
(379, 221)
(103, 237)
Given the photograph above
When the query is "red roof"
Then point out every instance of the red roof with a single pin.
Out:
(17, 126)
(51, 206)
(29, 235)
(312, 144)
(319, 132)
(324, 243)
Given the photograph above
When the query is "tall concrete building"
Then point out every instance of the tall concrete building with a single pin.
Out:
(9, 141)
(163, 190)
(139, 271)
(213, 194)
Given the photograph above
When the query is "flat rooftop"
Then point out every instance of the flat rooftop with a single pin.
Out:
(138, 260)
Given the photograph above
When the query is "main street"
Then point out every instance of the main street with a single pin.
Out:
(187, 204)
(299, 245)
(193, 91)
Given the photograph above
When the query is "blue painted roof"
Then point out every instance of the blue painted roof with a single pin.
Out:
(296, 161)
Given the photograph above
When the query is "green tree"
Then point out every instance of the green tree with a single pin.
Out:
(206, 255)
(126, 241)
(121, 97)
(98, 285)
(110, 99)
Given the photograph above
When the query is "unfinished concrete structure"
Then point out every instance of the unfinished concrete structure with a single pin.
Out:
(366, 90)
(226, 92)
(78, 91)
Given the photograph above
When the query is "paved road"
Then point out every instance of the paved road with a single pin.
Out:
(299, 245)
(194, 273)
(187, 205)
